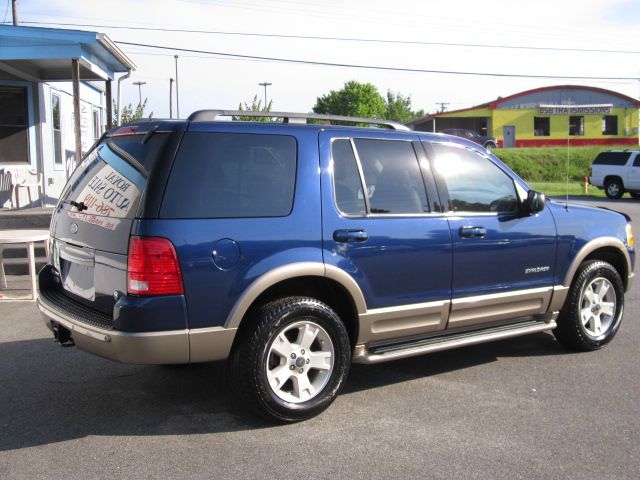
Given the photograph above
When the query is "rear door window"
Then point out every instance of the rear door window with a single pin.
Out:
(232, 175)
(394, 183)
(346, 179)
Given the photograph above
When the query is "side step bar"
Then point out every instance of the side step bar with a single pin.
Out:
(396, 351)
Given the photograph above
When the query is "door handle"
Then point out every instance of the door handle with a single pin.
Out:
(348, 236)
(471, 232)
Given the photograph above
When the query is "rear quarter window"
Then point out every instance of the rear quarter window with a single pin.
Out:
(612, 158)
(232, 175)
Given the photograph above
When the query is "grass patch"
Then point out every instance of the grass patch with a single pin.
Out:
(560, 189)
(549, 164)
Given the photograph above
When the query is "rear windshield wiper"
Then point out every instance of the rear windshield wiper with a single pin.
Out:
(79, 205)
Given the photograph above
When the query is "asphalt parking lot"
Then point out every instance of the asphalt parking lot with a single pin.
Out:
(521, 408)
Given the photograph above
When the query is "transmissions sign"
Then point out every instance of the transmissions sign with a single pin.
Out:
(575, 109)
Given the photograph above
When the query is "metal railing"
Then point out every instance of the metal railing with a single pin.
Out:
(295, 118)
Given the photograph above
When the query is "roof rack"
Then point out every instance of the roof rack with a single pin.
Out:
(288, 117)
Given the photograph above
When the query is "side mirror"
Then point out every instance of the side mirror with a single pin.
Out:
(535, 202)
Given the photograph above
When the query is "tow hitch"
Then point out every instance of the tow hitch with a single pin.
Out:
(62, 335)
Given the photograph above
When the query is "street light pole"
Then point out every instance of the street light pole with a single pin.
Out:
(265, 85)
(139, 84)
(171, 98)
(177, 91)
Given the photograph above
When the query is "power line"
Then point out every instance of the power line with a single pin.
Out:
(342, 39)
(373, 67)
(6, 10)
(633, 81)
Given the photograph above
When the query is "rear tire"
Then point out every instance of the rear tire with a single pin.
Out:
(291, 360)
(592, 313)
(613, 188)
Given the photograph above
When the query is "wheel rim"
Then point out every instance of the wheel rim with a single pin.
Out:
(300, 361)
(613, 189)
(598, 307)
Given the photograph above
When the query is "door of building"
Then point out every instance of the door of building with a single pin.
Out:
(509, 132)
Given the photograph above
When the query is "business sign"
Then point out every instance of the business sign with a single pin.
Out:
(575, 109)
(109, 193)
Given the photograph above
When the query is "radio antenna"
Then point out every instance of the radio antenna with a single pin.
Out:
(566, 204)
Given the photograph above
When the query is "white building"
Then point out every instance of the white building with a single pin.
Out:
(38, 123)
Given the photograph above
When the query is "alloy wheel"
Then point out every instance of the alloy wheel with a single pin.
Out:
(598, 307)
(300, 361)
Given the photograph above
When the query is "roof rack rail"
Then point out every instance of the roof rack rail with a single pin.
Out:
(288, 117)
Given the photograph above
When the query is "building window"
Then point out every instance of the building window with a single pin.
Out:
(576, 125)
(57, 129)
(14, 125)
(97, 130)
(541, 126)
(610, 125)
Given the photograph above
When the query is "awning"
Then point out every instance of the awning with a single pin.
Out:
(44, 54)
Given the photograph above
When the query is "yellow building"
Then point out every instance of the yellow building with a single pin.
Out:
(547, 116)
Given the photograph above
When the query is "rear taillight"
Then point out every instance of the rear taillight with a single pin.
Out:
(153, 267)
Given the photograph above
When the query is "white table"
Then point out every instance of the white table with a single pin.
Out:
(29, 237)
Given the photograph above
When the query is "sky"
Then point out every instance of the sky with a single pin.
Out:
(207, 81)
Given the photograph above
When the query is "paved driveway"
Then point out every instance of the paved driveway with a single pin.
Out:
(521, 408)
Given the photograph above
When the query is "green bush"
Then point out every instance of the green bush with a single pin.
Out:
(549, 164)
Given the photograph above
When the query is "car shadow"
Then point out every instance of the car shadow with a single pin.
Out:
(50, 394)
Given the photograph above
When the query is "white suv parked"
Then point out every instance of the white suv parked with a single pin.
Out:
(617, 171)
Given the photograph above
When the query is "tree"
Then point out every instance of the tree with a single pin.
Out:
(256, 106)
(363, 100)
(129, 114)
(399, 108)
(354, 100)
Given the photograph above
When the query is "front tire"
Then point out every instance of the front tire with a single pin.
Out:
(592, 313)
(613, 188)
(292, 360)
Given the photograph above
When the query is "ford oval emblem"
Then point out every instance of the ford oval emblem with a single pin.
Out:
(73, 228)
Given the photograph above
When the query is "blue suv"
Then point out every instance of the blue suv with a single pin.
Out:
(294, 249)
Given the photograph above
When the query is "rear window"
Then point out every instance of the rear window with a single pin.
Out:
(231, 175)
(110, 180)
(612, 158)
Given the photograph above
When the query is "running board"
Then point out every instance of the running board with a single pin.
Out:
(384, 353)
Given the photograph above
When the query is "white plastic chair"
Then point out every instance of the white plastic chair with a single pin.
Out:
(27, 178)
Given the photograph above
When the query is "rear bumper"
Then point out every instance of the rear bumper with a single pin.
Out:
(146, 348)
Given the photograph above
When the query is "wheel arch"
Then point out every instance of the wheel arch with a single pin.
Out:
(608, 249)
(327, 283)
(608, 178)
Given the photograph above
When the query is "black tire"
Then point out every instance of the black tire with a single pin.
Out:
(571, 332)
(635, 195)
(252, 352)
(490, 145)
(613, 188)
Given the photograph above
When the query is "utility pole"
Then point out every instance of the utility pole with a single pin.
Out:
(443, 106)
(171, 98)
(14, 10)
(175, 57)
(139, 84)
(265, 85)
